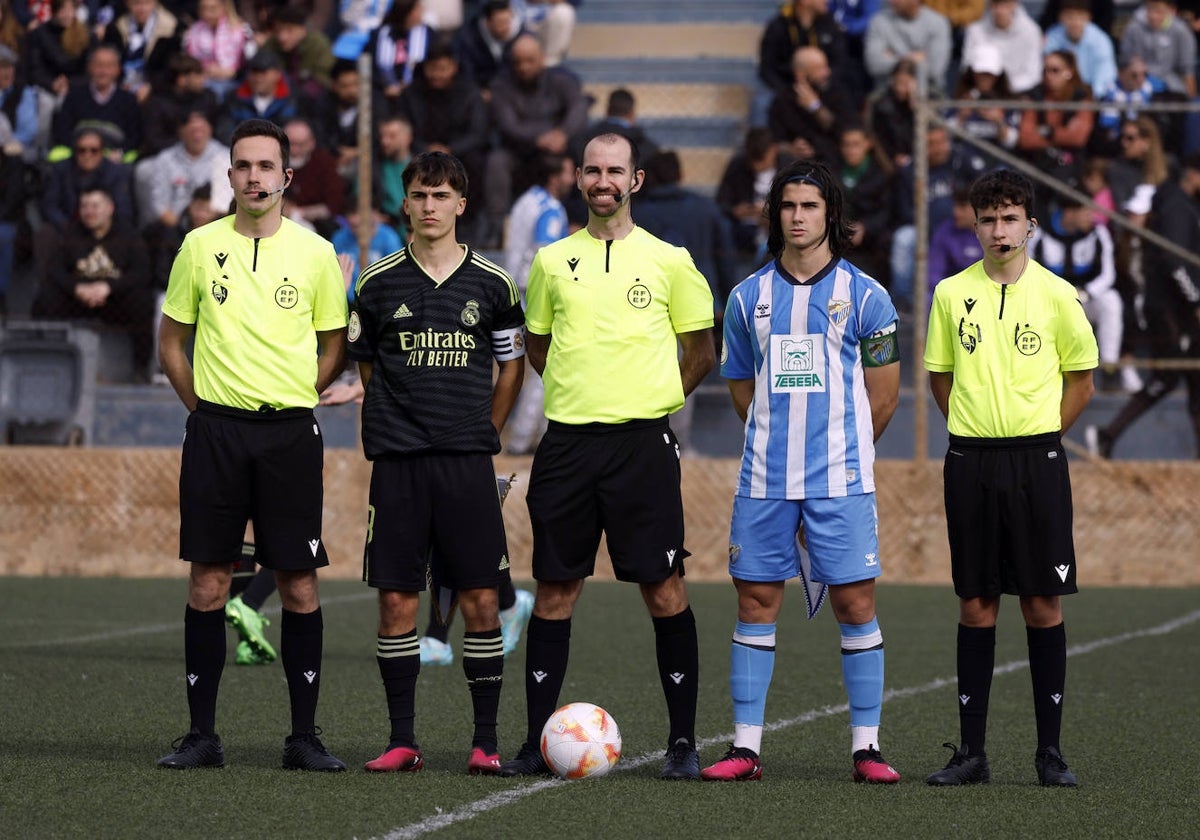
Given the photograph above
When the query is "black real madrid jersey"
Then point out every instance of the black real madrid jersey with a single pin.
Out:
(431, 346)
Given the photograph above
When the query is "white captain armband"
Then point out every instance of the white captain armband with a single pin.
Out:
(881, 347)
(508, 344)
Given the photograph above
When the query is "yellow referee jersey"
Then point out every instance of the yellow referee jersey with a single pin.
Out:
(1007, 347)
(613, 309)
(257, 305)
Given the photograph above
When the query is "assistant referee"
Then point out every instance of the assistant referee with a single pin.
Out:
(266, 302)
(608, 308)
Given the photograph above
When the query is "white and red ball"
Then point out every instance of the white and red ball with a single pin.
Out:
(581, 741)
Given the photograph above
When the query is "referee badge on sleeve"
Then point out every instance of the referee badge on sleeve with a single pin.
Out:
(355, 327)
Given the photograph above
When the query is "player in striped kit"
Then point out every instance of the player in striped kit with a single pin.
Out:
(812, 363)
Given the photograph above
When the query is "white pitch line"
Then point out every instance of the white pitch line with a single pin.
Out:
(151, 629)
(507, 797)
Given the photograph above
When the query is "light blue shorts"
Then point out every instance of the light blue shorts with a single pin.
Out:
(842, 537)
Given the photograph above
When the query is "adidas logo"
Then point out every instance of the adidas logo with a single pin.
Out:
(539, 675)
(191, 678)
(676, 678)
(1057, 698)
(310, 676)
(402, 312)
(503, 563)
(964, 698)
(1062, 572)
(313, 545)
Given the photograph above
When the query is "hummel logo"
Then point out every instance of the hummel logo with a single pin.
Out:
(503, 563)
(671, 557)
(970, 304)
(762, 310)
(964, 698)
(310, 676)
(192, 678)
(402, 312)
(676, 678)
(871, 561)
(1062, 572)
(312, 546)
(539, 675)
(574, 261)
(1057, 698)
(221, 259)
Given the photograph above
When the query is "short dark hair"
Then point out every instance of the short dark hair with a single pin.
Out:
(758, 142)
(440, 48)
(549, 164)
(492, 6)
(180, 64)
(293, 14)
(341, 67)
(1000, 187)
(664, 168)
(435, 169)
(608, 136)
(816, 174)
(621, 103)
(262, 128)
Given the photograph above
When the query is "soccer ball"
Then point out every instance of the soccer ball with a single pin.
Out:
(581, 740)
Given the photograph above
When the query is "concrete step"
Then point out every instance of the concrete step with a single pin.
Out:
(639, 11)
(666, 40)
(688, 70)
(703, 166)
(675, 99)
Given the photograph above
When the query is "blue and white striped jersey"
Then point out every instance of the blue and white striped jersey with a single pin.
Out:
(808, 428)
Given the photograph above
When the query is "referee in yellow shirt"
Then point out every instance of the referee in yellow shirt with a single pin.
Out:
(608, 308)
(1010, 356)
(266, 302)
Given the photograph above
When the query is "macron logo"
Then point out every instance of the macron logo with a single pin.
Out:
(191, 678)
(1062, 572)
(310, 676)
(677, 677)
(964, 698)
(671, 557)
(313, 545)
(539, 675)
(1057, 698)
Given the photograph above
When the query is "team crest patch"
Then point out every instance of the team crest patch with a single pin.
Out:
(969, 335)
(355, 329)
(638, 296)
(220, 293)
(724, 352)
(735, 552)
(838, 310)
(1027, 342)
(287, 296)
(518, 341)
(470, 313)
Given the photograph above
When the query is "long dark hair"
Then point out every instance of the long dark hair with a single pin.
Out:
(817, 174)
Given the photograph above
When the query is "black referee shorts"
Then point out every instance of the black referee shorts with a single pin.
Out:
(261, 467)
(1009, 516)
(622, 479)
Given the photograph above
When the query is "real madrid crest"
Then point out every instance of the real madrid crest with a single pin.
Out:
(470, 314)
(355, 329)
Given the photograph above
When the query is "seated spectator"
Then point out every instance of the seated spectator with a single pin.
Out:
(12, 31)
(620, 117)
(217, 39)
(1054, 141)
(1141, 166)
(534, 109)
(14, 223)
(395, 151)
(553, 22)
(316, 194)
(909, 30)
(265, 94)
(1095, 58)
(1103, 13)
(890, 115)
(803, 23)
(806, 119)
(165, 111)
(984, 78)
(334, 117)
(100, 101)
(448, 114)
(742, 193)
(58, 50)
(482, 44)
(305, 55)
(101, 270)
(1008, 27)
(1134, 87)
(853, 17)
(146, 37)
(18, 106)
(953, 246)
(867, 186)
(1157, 35)
(166, 182)
(1074, 247)
(87, 168)
(398, 46)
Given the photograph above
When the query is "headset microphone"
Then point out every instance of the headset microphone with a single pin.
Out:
(1004, 249)
(265, 193)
